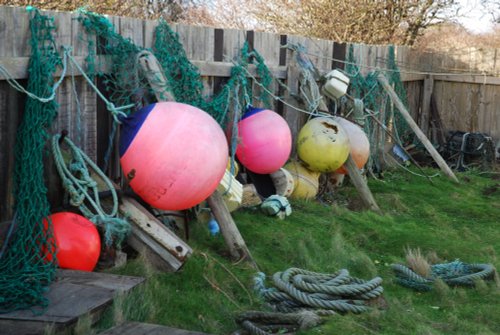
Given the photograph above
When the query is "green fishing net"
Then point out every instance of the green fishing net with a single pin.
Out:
(28, 264)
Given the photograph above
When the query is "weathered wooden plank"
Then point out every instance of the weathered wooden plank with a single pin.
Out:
(7, 32)
(294, 118)
(149, 33)
(406, 76)
(221, 69)
(109, 281)
(85, 102)
(133, 29)
(421, 136)
(72, 295)
(135, 328)
(361, 185)
(63, 25)
(11, 107)
(21, 42)
(66, 118)
(143, 219)
(18, 66)
(197, 42)
(268, 46)
(363, 59)
(68, 301)
(237, 246)
(231, 46)
(29, 327)
(339, 55)
(469, 79)
(153, 251)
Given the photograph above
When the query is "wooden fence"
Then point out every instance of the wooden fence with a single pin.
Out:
(465, 101)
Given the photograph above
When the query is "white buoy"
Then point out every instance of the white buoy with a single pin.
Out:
(336, 84)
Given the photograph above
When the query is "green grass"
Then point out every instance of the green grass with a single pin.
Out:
(453, 221)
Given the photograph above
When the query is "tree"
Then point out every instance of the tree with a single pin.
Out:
(145, 9)
(375, 22)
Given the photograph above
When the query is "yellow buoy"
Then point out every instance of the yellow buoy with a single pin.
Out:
(236, 167)
(323, 145)
(306, 181)
(283, 182)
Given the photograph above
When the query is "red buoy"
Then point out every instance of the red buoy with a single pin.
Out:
(77, 241)
(174, 155)
(265, 141)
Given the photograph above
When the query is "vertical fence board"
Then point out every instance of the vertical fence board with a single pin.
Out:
(269, 47)
(11, 106)
(133, 29)
(232, 44)
(199, 45)
(149, 33)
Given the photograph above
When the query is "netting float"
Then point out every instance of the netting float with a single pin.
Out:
(360, 145)
(174, 155)
(77, 241)
(323, 145)
(306, 181)
(265, 141)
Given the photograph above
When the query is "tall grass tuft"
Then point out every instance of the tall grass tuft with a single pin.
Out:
(417, 262)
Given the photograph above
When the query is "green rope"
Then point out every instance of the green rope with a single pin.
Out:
(9, 78)
(81, 187)
(28, 264)
(455, 273)
(324, 294)
(116, 112)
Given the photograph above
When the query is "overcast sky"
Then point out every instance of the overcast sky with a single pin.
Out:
(476, 17)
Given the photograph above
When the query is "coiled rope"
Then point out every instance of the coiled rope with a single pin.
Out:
(83, 189)
(324, 294)
(454, 273)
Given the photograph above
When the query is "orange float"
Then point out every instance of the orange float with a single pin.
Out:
(360, 145)
(77, 241)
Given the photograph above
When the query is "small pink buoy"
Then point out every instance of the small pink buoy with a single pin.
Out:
(360, 145)
(265, 141)
(174, 155)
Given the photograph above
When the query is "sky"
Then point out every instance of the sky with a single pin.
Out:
(476, 18)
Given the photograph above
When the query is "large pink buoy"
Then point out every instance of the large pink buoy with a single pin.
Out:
(265, 141)
(77, 241)
(174, 155)
(360, 145)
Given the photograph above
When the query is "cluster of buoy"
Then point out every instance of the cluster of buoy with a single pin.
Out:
(175, 156)
(323, 146)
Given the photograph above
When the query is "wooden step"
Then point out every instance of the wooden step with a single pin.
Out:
(73, 294)
(136, 328)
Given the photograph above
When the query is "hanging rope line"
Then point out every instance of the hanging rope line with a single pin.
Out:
(83, 189)
(18, 87)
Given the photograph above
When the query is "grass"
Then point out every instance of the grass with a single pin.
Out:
(443, 221)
